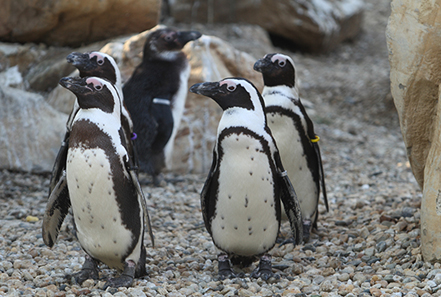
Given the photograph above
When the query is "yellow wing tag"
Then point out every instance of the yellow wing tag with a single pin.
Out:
(316, 139)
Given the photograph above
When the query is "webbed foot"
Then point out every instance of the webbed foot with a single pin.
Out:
(264, 270)
(88, 271)
(125, 279)
(307, 226)
(224, 267)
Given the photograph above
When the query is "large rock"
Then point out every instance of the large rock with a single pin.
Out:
(211, 59)
(30, 131)
(315, 26)
(414, 53)
(72, 23)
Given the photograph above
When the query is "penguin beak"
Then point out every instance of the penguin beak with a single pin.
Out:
(76, 85)
(78, 59)
(186, 36)
(263, 65)
(209, 89)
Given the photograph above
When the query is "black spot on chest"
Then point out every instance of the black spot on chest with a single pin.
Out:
(87, 135)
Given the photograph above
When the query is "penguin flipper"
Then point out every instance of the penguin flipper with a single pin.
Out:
(322, 174)
(56, 210)
(207, 194)
(60, 163)
(135, 180)
(292, 207)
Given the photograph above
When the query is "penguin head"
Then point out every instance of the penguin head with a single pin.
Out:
(277, 70)
(92, 92)
(230, 93)
(96, 64)
(164, 41)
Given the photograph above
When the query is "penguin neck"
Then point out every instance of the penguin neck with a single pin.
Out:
(241, 117)
(163, 55)
(108, 122)
(286, 91)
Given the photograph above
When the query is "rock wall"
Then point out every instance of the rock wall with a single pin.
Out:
(72, 23)
(414, 45)
(316, 26)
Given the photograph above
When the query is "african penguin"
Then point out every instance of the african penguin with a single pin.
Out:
(293, 131)
(241, 197)
(107, 201)
(155, 96)
(101, 65)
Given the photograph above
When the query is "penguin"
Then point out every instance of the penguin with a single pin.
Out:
(294, 133)
(101, 65)
(107, 201)
(240, 199)
(155, 96)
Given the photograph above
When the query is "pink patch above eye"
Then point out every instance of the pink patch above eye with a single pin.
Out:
(231, 85)
(99, 56)
(94, 81)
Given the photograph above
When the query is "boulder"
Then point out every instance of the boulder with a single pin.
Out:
(413, 41)
(211, 59)
(72, 23)
(30, 131)
(315, 26)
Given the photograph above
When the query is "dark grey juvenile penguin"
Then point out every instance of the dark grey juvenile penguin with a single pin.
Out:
(293, 131)
(241, 197)
(155, 96)
(108, 205)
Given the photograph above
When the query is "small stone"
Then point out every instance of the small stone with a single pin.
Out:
(343, 277)
(345, 289)
(375, 292)
(328, 271)
(381, 246)
(88, 283)
(369, 252)
(326, 286)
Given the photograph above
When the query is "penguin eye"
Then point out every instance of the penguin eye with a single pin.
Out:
(231, 88)
(100, 62)
(98, 87)
(282, 63)
(169, 37)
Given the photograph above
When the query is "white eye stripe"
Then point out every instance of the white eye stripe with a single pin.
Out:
(280, 58)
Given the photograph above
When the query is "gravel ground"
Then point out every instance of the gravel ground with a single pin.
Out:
(367, 244)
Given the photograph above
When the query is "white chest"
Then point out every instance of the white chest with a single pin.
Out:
(96, 212)
(294, 161)
(245, 221)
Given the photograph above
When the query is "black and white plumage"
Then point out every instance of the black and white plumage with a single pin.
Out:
(293, 131)
(108, 205)
(241, 197)
(155, 96)
(101, 65)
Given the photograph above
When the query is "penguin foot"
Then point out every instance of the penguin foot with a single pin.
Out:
(307, 226)
(125, 279)
(159, 180)
(224, 267)
(88, 271)
(283, 241)
(264, 270)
